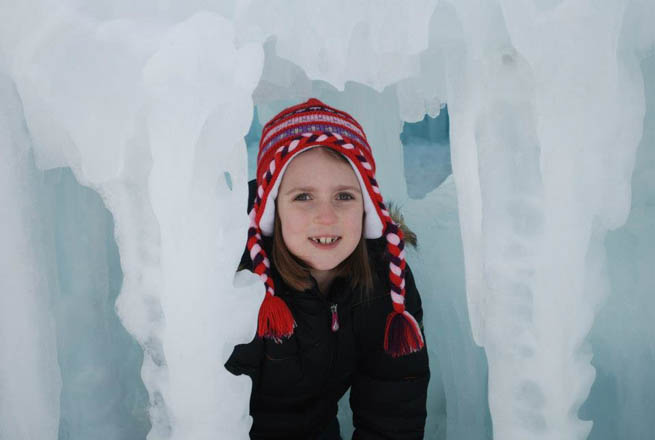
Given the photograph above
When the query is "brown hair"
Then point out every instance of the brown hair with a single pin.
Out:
(296, 273)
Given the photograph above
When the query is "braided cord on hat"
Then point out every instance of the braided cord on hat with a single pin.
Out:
(402, 334)
(275, 320)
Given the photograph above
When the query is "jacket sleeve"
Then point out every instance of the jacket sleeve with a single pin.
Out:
(388, 395)
(245, 262)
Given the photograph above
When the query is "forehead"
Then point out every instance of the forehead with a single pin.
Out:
(318, 166)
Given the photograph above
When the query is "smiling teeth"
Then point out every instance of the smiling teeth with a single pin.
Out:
(325, 240)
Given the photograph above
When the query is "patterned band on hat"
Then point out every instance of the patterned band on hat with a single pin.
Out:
(312, 126)
(311, 106)
(313, 118)
(322, 121)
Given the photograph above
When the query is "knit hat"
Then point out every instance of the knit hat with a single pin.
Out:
(290, 132)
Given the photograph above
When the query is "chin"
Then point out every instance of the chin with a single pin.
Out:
(324, 266)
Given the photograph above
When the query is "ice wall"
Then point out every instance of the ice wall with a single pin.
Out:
(29, 374)
(151, 114)
(148, 105)
(623, 336)
(426, 142)
(458, 366)
(102, 392)
(546, 114)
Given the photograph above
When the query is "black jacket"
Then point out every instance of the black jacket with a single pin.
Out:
(297, 384)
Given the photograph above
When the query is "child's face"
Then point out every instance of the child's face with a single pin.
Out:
(319, 196)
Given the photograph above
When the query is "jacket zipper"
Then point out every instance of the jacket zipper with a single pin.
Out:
(333, 340)
(335, 318)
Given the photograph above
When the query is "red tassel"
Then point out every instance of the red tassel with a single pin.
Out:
(402, 335)
(275, 319)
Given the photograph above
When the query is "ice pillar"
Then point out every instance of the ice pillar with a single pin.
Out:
(152, 117)
(546, 116)
(200, 109)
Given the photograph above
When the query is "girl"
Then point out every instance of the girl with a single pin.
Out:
(341, 308)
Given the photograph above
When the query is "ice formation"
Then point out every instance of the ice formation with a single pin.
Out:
(550, 105)
(551, 180)
(29, 374)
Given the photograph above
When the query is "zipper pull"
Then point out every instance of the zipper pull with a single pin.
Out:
(335, 318)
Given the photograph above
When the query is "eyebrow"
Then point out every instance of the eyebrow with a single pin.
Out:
(311, 189)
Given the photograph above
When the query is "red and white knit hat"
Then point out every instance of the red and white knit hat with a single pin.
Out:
(290, 132)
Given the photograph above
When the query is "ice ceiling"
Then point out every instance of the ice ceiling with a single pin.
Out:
(534, 255)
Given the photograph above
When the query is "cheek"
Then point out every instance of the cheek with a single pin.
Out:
(355, 225)
(293, 230)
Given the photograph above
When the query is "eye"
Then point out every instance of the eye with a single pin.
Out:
(302, 197)
(346, 196)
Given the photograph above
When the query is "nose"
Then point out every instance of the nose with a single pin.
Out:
(325, 214)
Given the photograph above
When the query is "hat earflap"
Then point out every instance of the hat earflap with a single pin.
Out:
(275, 320)
(402, 334)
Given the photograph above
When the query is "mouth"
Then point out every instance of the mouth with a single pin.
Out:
(325, 242)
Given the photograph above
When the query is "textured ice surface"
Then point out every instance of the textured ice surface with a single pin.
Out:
(168, 94)
(95, 352)
(29, 374)
(457, 401)
(426, 154)
(623, 335)
(537, 248)
(550, 182)
(341, 41)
